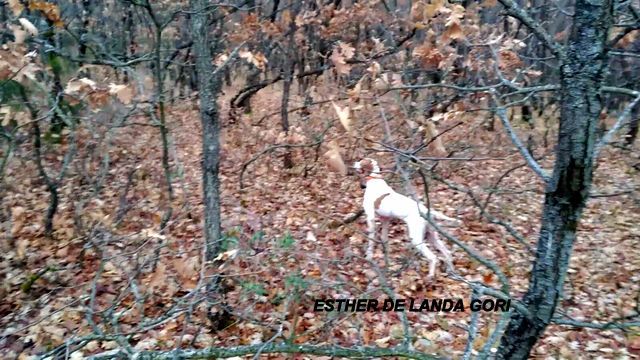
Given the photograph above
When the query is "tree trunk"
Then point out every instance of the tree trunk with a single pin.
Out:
(287, 73)
(582, 74)
(208, 86)
(632, 134)
(86, 16)
(52, 186)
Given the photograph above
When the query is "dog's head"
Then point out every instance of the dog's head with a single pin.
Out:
(367, 166)
(364, 168)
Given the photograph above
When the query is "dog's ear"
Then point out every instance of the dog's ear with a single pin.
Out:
(366, 165)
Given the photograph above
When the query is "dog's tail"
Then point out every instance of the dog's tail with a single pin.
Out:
(438, 216)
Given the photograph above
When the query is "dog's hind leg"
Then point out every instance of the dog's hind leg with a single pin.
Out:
(371, 227)
(416, 233)
(433, 237)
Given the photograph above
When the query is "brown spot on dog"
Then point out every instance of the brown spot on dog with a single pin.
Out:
(376, 204)
(366, 166)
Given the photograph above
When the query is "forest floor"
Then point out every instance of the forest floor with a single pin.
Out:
(291, 247)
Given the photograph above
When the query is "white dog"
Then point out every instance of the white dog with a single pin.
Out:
(381, 201)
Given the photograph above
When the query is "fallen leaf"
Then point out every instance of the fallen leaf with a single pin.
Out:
(384, 342)
(311, 237)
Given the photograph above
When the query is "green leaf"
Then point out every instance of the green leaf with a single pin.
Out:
(229, 240)
(11, 92)
(296, 282)
(253, 288)
(257, 237)
(59, 65)
(286, 241)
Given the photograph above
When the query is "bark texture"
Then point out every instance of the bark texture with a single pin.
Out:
(583, 69)
(208, 88)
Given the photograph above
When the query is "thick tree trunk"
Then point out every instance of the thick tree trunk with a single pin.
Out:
(208, 86)
(164, 131)
(52, 186)
(582, 73)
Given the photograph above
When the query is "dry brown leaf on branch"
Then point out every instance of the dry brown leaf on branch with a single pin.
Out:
(431, 10)
(417, 12)
(346, 50)
(285, 19)
(221, 59)
(386, 81)
(50, 11)
(457, 11)
(16, 7)
(532, 73)
(429, 56)
(339, 62)
(431, 133)
(509, 60)
(453, 30)
(343, 116)
(374, 69)
(5, 115)
(77, 86)
(381, 84)
(334, 158)
(354, 94)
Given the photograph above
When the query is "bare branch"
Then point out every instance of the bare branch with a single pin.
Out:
(231, 57)
(283, 348)
(622, 120)
(619, 90)
(519, 13)
(533, 164)
(593, 325)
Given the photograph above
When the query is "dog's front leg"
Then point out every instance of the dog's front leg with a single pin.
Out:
(371, 226)
(384, 236)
